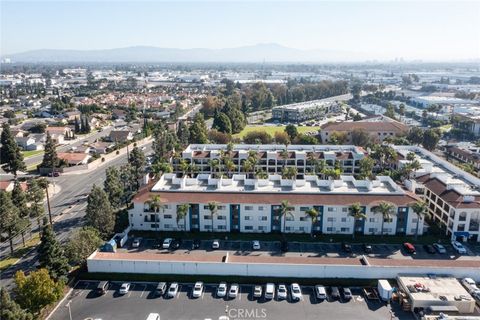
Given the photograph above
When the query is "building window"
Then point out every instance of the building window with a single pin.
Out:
(372, 230)
(248, 208)
(344, 219)
(290, 218)
(207, 217)
(263, 218)
(167, 216)
(331, 209)
(222, 218)
(303, 218)
(371, 220)
(301, 229)
(247, 218)
(402, 210)
(331, 219)
(304, 209)
(167, 226)
(330, 229)
(344, 229)
(222, 227)
(414, 220)
(288, 228)
(207, 227)
(260, 208)
(262, 228)
(248, 227)
(221, 207)
(344, 209)
(154, 226)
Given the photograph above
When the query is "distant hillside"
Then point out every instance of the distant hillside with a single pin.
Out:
(256, 53)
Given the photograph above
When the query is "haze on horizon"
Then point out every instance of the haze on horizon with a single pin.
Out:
(427, 30)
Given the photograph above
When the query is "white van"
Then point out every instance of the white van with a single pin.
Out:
(320, 292)
(153, 316)
(269, 291)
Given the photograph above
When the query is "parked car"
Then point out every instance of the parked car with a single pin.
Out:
(269, 291)
(256, 245)
(281, 292)
(197, 289)
(124, 288)
(367, 248)
(429, 248)
(334, 293)
(320, 292)
(440, 248)
(166, 243)
(459, 248)
(470, 285)
(216, 244)
(161, 289)
(233, 292)
(222, 289)
(284, 246)
(296, 292)
(172, 290)
(176, 243)
(195, 244)
(409, 248)
(102, 287)
(257, 291)
(346, 247)
(347, 294)
(136, 242)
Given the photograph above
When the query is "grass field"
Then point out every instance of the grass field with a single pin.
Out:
(272, 129)
(18, 253)
(32, 153)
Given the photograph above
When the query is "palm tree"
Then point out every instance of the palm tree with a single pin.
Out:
(183, 166)
(284, 156)
(214, 165)
(192, 168)
(229, 167)
(313, 215)
(248, 166)
(182, 211)
(285, 209)
(260, 174)
(155, 204)
(289, 173)
(213, 207)
(320, 167)
(386, 209)
(421, 209)
(356, 212)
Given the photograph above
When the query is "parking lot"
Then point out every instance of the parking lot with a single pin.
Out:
(85, 303)
(306, 249)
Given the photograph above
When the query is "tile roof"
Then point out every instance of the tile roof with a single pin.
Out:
(365, 125)
(452, 197)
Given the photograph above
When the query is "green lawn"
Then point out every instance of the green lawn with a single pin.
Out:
(32, 153)
(272, 129)
(18, 253)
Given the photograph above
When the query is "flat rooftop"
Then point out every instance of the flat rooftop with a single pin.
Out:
(424, 288)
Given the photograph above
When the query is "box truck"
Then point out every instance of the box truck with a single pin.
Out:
(384, 290)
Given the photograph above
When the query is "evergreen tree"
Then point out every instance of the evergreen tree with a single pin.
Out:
(183, 134)
(9, 217)
(137, 160)
(10, 155)
(10, 310)
(221, 122)
(163, 143)
(82, 244)
(99, 213)
(113, 187)
(51, 255)
(19, 199)
(77, 125)
(87, 128)
(198, 130)
(50, 158)
(36, 197)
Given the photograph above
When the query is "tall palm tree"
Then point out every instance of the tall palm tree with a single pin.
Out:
(313, 215)
(320, 167)
(229, 167)
(43, 183)
(387, 210)
(182, 212)
(248, 166)
(285, 209)
(213, 207)
(214, 165)
(284, 156)
(192, 169)
(183, 166)
(421, 209)
(155, 204)
(356, 212)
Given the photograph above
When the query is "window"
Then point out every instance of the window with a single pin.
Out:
(345, 209)
(344, 219)
(402, 210)
(301, 229)
(154, 226)
(372, 220)
(330, 229)
(167, 226)
(167, 216)
(414, 220)
(288, 228)
(247, 218)
(290, 218)
(248, 227)
(263, 218)
(260, 208)
(222, 218)
(222, 227)
(372, 230)
(344, 229)
(221, 207)
(331, 209)
(304, 209)
(387, 230)
(207, 227)
(205, 207)
(331, 219)
(248, 208)
(303, 218)
(262, 228)
(207, 217)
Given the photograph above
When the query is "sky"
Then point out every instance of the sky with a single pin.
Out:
(427, 30)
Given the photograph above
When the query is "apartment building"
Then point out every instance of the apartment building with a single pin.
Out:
(452, 195)
(271, 159)
(254, 205)
(302, 111)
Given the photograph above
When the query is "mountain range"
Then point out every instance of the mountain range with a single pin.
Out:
(269, 52)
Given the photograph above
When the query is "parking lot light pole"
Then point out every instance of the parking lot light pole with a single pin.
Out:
(69, 309)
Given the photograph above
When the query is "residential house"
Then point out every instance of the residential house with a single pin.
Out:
(74, 159)
(120, 136)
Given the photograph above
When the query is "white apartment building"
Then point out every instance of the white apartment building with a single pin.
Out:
(452, 195)
(272, 159)
(253, 205)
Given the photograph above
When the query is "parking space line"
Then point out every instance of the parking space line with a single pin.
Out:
(143, 290)
(203, 293)
(131, 289)
(179, 290)
(239, 292)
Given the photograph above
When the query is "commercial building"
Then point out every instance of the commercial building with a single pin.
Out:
(431, 293)
(302, 111)
(378, 128)
(255, 205)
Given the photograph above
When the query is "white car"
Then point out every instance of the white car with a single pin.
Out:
(216, 244)
(233, 292)
(320, 292)
(197, 289)
(296, 291)
(470, 284)
(256, 245)
(281, 292)
(166, 243)
(136, 242)
(257, 291)
(222, 289)
(172, 290)
(124, 288)
(459, 247)
(269, 291)
(440, 248)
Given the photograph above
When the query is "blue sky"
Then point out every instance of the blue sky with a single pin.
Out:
(383, 29)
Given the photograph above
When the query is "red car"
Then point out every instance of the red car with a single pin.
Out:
(409, 248)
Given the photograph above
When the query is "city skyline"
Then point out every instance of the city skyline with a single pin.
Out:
(368, 30)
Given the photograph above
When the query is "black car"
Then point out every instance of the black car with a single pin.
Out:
(158, 244)
(334, 293)
(429, 248)
(176, 243)
(195, 244)
(284, 246)
(367, 248)
(346, 247)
